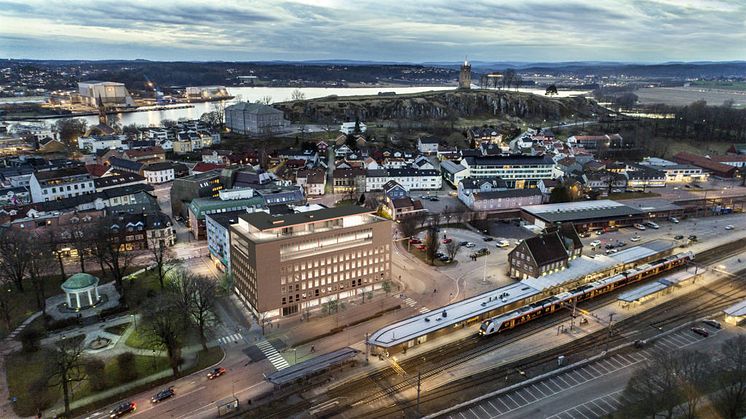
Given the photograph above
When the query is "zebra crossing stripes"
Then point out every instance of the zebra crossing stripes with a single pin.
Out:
(228, 339)
(271, 353)
(424, 310)
(410, 302)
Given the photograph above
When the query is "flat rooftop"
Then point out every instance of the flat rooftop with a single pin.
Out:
(652, 205)
(644, 250)
(578, 268)
(736, 310)
(432, 321)
(582, 210)
(311, 366)
(654, 287)
(263, 221)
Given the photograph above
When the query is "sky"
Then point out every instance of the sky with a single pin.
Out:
(382, 30)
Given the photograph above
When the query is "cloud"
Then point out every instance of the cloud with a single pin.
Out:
(526, 30)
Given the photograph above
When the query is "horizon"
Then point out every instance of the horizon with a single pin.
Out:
(638, 32)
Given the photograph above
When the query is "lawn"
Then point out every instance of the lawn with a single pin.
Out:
(118, 329)
(23, 369)
(137, 339)
(23, 304)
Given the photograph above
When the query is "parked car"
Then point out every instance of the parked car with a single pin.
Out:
(584, 234)
(693, 238)
(434, 198)
(415, 241)
(678, 237)
(421, 247)
(487, 239)
(483, 251)
(621, 243)
(444, 258)
(463, 243)
(517, 242)
(215, 373)
(635, 238)
(163, 395)
(595, 243)
(446, 241)
(123, 409)
(599, 232)
(701, 331)
(639, 226)
(611, 251)
(469, 245)
(609, 246)
(502, 243)
(729, 227)
(674, 220)
(651, 224)
(712, 323)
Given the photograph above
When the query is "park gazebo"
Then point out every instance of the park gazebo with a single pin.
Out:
(81, 283)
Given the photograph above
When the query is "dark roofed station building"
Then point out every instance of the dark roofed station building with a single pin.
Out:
(546, 253)
(584, 215)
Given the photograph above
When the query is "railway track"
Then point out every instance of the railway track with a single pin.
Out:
(352, 397)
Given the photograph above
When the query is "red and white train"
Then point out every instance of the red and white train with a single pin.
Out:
(584, 292)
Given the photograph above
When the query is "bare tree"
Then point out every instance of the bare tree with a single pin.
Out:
(66, 366)
(408, 226)
(5, 298)
(694, 377)
(264, 100)
(203, 307)
(653, 389)
(452, 249)
(730, 399)
(41, 261)
(297, 95)
(431, 244)
(162, 259)
(110, 251)
(181, 288)
(13, 256)
(164, 329)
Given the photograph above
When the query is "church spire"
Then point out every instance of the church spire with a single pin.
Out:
(102, 118)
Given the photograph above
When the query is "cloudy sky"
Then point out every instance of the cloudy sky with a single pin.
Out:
(398, 30)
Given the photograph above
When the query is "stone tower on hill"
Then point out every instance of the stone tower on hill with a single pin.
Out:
(464, 78)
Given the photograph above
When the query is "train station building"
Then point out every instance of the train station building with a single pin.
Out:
(584, 269)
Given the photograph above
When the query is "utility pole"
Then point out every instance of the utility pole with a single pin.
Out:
(484, 273)
(572, 319)
(367, 348)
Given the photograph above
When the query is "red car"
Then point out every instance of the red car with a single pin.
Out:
(421, 246)
(446, 241)
(215, 373)
(415, 241)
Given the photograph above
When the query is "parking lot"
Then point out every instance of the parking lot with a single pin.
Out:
(518, 402)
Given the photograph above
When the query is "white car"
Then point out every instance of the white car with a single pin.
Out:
(639, 226)
(502, 243)
(596, 243)
(729, 227)
(674, 220)
(634, 238)
(470, 245)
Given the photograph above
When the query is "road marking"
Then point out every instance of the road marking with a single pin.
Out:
(271, 353)
(424, 310)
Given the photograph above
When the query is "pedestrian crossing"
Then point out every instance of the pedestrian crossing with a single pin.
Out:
(424, 310)
(271, 353)
(228, 339)
(410, 302)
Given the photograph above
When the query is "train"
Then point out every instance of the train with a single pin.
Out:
(581, 293)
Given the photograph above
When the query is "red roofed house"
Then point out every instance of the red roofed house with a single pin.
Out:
(203, 167)
(712, 166)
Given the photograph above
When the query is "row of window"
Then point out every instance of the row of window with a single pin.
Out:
(69, 188)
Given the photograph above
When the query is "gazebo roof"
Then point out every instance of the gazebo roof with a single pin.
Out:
(79, 281)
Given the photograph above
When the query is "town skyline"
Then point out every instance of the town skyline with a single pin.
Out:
(540, 30)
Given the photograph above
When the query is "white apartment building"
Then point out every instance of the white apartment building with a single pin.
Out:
(409, 178)
(348, 128)
(517, 171)
(95, 143)
(160, 172)
(50, 185)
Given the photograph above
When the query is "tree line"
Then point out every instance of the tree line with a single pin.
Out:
(689, 384)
